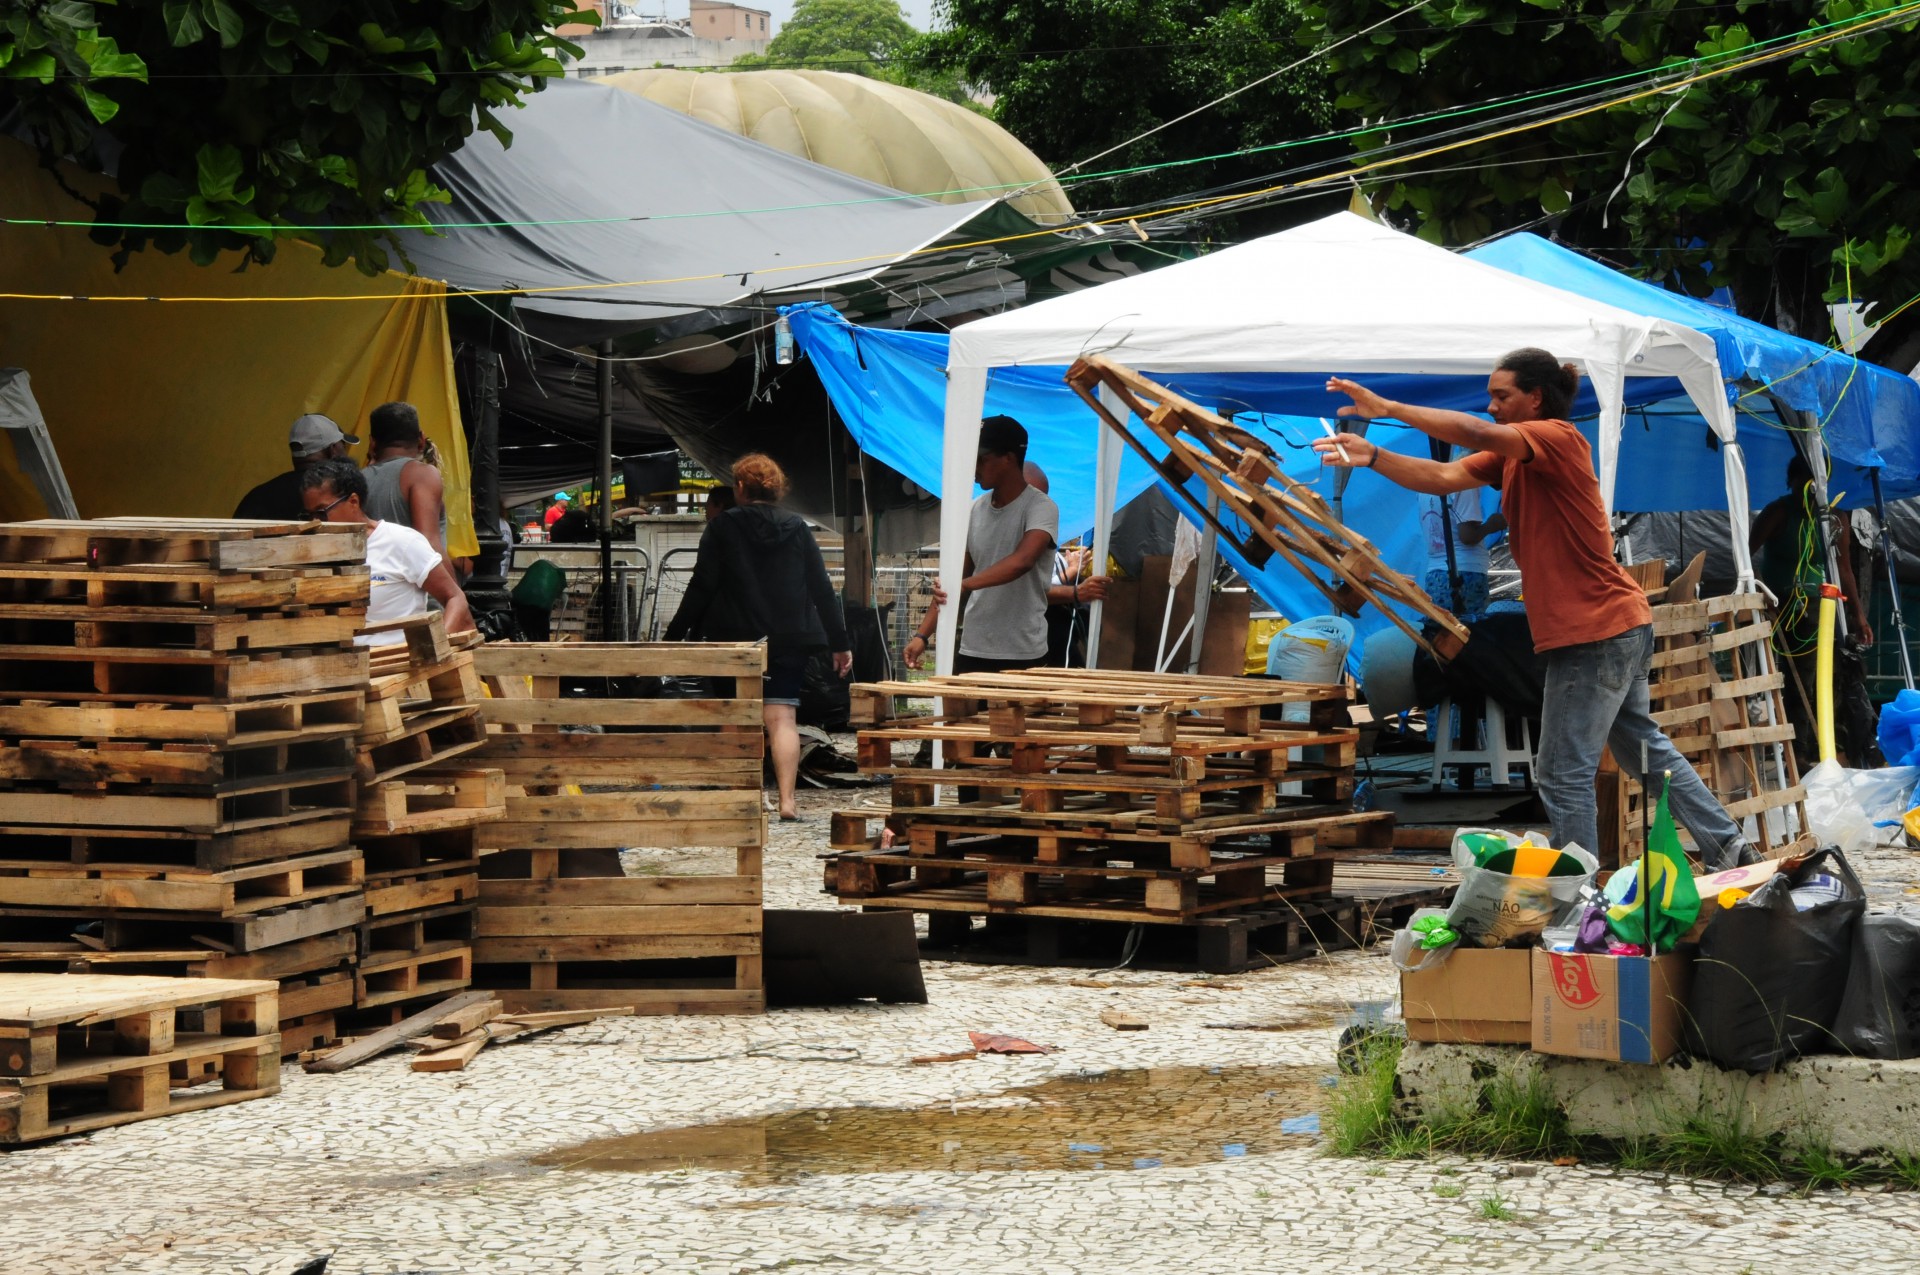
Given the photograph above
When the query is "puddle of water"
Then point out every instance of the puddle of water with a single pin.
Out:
(1119, 1120)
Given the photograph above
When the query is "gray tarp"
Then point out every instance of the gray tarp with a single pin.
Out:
(632, 191)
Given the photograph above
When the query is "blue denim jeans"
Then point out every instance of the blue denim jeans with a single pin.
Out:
(1597, 697)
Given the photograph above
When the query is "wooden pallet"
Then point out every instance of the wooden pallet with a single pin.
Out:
(431, 738)
(48, 1021)
(210, 852)
(420, 929)
(1142, 708)
(244, 725)
(1746, 759)
(232, 806)
(219, 544)
(385, 979)
(134, 765)
(158, 675)
(395, 696)
(110, 630)
(228, 893)
(548, 940)
(1283, 516)
(97, 1093)
(136, 930)
(53, 590)
(431, 800)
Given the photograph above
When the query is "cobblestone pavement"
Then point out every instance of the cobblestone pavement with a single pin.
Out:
(392, 1171)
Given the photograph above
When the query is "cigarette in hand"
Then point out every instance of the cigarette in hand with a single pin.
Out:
(1337, 446)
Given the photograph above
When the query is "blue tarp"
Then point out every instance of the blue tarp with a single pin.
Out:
(1870, 414)
(890, 389)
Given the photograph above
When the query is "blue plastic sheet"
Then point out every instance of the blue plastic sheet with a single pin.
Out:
(1870, 414)
(1900, 729)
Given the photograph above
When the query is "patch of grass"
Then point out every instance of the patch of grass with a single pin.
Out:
(1712, 1144)
(1263, 1194)
(1376, 1172)
(1822, 1168)
(1904, 1170)
(1449, 1190)
(1496, 1208)
(1361, 1116)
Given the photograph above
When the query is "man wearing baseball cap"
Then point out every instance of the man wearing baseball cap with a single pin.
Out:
(312, 439)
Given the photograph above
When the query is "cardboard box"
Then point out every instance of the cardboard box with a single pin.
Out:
(1623, 1008)
(1476, 996)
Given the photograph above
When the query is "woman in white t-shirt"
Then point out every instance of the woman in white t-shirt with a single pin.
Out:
(408, 574)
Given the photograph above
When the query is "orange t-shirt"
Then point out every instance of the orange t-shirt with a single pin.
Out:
(1575, 591)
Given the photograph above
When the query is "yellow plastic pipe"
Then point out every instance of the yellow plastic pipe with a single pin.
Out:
(1823, 671)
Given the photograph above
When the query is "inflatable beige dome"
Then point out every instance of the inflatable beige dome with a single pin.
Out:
(894, 136)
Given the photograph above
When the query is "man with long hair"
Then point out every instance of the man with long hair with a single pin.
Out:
(1589, 619)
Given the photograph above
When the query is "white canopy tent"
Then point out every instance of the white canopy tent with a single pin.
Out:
(1342, 295)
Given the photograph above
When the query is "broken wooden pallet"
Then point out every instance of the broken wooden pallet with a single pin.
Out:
(1154, 708)
(1282, 516)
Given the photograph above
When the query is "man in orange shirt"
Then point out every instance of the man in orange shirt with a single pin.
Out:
(1589, 619)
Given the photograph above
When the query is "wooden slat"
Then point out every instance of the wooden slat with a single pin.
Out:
(515, 949)
(623, 659)
(622, 712)
(495, 921)
(619, 891)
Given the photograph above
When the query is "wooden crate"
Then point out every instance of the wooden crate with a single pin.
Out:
(81, 1052)
(664, 772)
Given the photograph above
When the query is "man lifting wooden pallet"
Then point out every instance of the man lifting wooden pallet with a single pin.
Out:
(1589, 619)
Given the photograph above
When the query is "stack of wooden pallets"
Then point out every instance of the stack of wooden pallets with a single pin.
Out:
(81, 1052)
(421, 805)
(1105, 796)
(179, 701)
(607, 747)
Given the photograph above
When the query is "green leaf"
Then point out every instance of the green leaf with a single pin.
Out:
(1553, 199)
(182, 22)
(220, 170)
(225, 19)
(99, 105)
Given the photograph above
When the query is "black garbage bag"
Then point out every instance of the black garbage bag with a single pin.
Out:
(1772, 972)
(825, 697)
(1880, 1013)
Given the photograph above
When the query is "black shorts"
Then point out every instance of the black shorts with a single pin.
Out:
(964, 663)
(785, 675)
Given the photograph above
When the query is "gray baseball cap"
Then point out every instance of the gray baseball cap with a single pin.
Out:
(314, 433)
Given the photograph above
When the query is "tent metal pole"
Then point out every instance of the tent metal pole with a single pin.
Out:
(1203, 583)
(1893, 581)
(609, 631)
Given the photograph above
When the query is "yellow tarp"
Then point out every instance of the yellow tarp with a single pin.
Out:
(176, 408)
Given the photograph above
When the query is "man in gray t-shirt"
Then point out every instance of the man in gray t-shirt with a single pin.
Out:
(1010, 539)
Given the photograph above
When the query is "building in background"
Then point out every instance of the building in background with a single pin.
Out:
(714, 33)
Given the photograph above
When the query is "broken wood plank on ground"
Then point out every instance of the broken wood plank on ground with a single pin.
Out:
(352, 1055)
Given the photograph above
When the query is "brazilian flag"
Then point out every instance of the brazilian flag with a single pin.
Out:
(1661, 877)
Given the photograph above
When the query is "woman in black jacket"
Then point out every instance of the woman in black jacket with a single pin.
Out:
(759, 575)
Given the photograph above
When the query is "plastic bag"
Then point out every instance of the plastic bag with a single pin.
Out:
(1493, 909)
(1313, 650)
(1880, 1014)
(1771, 974)
(1846, 808)
(1406, 951)
(1900, 729)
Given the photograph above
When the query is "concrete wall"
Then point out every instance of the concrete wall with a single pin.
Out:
(637, 48)
(1849, 1106)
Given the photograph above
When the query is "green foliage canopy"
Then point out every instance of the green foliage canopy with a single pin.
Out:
(237, 118)
(1779, 180)
(861, 37)
(1071, 78)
